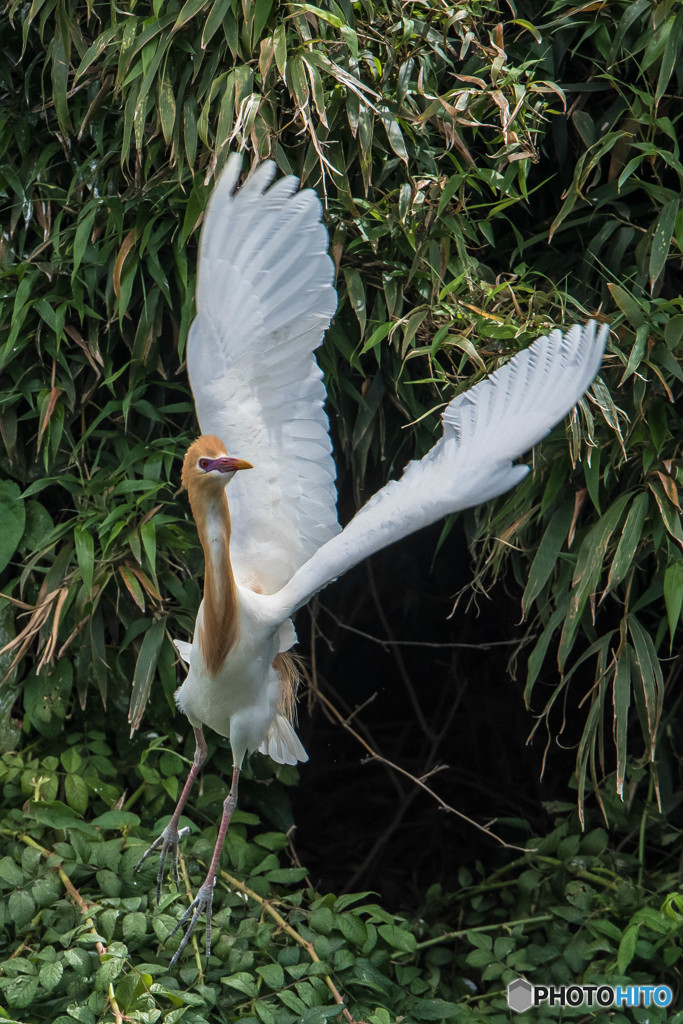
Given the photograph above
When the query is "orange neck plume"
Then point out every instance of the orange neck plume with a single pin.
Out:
(220, 620)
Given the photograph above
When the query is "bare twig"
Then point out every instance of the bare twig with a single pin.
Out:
(374, 756)
(388, 642)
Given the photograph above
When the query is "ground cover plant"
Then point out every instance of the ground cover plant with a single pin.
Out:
(487, 169)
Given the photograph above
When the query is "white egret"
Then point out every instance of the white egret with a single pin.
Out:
(264, 300)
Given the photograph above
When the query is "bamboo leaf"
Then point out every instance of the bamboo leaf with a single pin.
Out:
(190, 134)
(82, 236)
(145, 668)
(190, 10)
(671, 49)
(167, 107)
(546, 556)
(214, 20)
(133, 587)
(637, 353)
(630, 538)
(649, 671)
(628, 305)
(670, 516)
(673, 595)
(280, 44)
(60, 78)
(661, 240)
(587, 572)
(621, 697)
(13, 513)
(394, 134)
(85, 553)
(126, 246)
(356, 293)
(96, 49)
(262, 9)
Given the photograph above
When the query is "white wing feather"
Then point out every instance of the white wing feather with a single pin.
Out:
(264, 301)
(484, 429)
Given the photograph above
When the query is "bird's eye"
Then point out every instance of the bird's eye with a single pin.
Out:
(203, 463)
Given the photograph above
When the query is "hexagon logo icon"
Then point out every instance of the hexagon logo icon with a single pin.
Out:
(520, 995)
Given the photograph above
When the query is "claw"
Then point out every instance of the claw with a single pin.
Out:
(168, 840)
(203, 901)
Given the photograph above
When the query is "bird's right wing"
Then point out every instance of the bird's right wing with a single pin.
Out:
(484, 429)
(264, 300)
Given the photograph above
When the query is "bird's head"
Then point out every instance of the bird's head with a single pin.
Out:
(207, 467)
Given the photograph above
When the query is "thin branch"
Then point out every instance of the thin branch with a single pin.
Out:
(388, 642)
(374, 756)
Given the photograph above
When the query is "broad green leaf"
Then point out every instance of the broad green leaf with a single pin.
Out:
(243, 982)
(22, 907)
(352, 928)
(627, 948)
(11, 875)
(50, 975)
(116, 820)
(22, 992)
(273, 975)
(76, 793)
(435, 1009)
(13, 514)
(134, 926)
(398, 938)
(71, 760)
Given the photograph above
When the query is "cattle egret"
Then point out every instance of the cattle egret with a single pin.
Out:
(265, 298)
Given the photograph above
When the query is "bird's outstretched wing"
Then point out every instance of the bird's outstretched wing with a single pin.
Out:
(264, 300)
(484, 429)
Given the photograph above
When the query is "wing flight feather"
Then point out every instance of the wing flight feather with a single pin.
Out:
(264, 301)
(484, 430)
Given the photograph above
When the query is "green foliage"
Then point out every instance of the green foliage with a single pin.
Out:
(83, 940)
(484, 176)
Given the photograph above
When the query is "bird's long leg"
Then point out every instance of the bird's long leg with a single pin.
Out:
(204, 898)
(171, 836)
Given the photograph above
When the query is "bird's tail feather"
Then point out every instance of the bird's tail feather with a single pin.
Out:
(282, 743)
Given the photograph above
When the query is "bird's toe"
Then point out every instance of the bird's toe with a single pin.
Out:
(203, 902)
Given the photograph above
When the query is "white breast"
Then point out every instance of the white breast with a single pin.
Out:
(240, 702)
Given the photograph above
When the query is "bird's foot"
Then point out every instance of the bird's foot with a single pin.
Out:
(203, 901)
(169, 840)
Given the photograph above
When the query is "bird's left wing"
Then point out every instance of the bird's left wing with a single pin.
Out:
(264, 300)
(484, 429)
